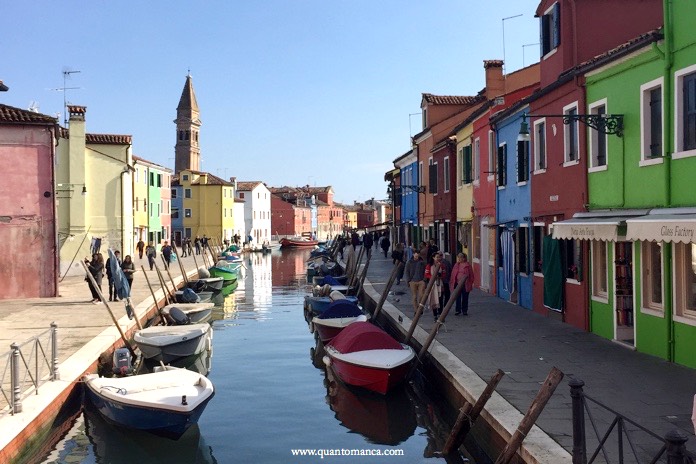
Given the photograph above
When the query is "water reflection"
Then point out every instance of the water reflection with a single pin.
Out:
(201, 363)
(115, 445)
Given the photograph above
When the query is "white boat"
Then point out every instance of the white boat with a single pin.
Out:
(167, 343)
(196, 312)
(165, 403)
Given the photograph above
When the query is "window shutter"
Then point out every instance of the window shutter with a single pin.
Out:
(467, 164)
(656, 122)
(689, 112)
(432, 173)
(556, 26)
(502, 165)
(522, 160)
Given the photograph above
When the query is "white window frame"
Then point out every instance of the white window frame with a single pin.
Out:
(593, 137)
(597, 294)
(446, 174)
(476, 161)
(645, 89)
(537, 168)
(551, 51)
(566, 133)
(492, 153)
(652, 308)
(679, 254)
(679, 151)
(188, 193)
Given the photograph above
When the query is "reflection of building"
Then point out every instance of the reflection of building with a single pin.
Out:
(289, 267)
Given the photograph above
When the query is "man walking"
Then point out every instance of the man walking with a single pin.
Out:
(167, 253)
(151, 253)
(415, 275)
(140, 247)
(112, 290)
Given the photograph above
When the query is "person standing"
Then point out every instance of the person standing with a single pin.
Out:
(385, 244)
(140, 247)
(436, 290)
(415, 273)
(184, 249)
(354, 240)
(188, 246)
(462, 270)
(197, 244)
(447, 272)
(367, 243)
(112, 289)
(128, 269)
(96, 269)
(151, 253)
(397, 258)
(167, 253)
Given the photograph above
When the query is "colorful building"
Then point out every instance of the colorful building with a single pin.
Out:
(207, 205)
(257, 210)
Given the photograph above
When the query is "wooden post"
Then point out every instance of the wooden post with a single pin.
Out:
(163, 284)
(356, 266)
(171, 279)
(181, 267)
(537, 406)
(390, 282)
(468, 415)
(421, 304)
(152, 292)
(113, 318)
(195, 261)
(361, 281)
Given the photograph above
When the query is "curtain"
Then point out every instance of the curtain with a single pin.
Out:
(507, 247)
(554, 279)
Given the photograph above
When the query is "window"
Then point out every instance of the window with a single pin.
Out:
(145, 204)
(570, 131)
(540, 145)
(573, 259)
(137, 204)
(685, 279)
(522, 250)
(685, 109)
(651, 122)
(175, 213)
(599, 270)
(159, 180)
(185, 177)
(187, 212)
(174, 194)
(241, 195)
(651, 253)
(522, 161)
(491, 155)
(550, 24)
(477, 160)
(432, 176)
(502, 165)
(187, 232)
(446, 173)
(598, 141)
(187, 193)
(476, 243)
(539, 230)
(420, 172)
(152, 209)
(466, 164)
(152, 179)
(425, 118)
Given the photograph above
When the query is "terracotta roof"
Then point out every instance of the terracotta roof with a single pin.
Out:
(211, 180)
(624, 48)
(12, 115)
(247, 186)
(108, 139)
(450, 99)
(150, 163)
(492, 64)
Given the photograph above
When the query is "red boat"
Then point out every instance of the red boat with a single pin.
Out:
(297, 242)
(363, 355)
(339, 315)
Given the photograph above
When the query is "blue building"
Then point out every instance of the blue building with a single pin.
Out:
(513, 211)
(406, 197)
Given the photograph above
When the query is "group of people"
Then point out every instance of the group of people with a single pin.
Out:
(97, 269)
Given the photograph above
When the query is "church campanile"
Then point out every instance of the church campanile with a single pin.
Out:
(187, 151)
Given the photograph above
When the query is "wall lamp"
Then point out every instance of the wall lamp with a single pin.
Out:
(603, 123)
(70, 188)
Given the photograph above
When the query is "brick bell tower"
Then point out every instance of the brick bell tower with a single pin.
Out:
(187, 150)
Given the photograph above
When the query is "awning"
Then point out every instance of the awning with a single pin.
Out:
(663, 228)
(598, 228)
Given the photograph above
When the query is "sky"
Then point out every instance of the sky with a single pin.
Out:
(290, 92)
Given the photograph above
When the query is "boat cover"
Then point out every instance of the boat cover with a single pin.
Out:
(330, 280)
(363, 336)
(341, 308)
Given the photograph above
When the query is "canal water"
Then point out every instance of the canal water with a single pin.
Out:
(274, 402)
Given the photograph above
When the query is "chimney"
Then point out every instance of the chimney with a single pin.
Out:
(495, 81)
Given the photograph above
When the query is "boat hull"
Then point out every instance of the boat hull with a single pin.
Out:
(153, 347)
(228, 275)
(289, 243)
(377, 379)
(329, 328)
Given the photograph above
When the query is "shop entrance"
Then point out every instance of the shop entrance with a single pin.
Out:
(624, 330)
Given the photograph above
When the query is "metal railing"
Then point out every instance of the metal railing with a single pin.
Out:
(28, 366)
(670, 448)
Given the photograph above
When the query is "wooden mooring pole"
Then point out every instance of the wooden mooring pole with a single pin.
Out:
(390, 282)
(537, 406)
(163, 284)
(421, 304)
(468, 415)
(152, 292)
(181, 268)
(171, 279)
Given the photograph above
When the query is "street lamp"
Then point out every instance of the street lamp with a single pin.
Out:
(603, 123)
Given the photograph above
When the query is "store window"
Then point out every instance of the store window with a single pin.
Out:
(651, 274)
(539, 230)
(522, 250)
(599, 270)
(573, 259)
(685, 279)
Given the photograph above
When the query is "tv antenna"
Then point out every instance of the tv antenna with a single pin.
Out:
(64, 89)
(33, 107)
(503, 21)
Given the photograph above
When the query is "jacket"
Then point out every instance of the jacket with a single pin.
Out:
(462, 271)
(415, 270)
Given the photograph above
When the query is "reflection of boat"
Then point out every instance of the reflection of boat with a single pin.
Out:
(297, 242)
(365, 356)
(382, 419)
(165, 403)
(196, 312)
(331, 280)
(117, 445)
(339, 315)
(167, 343)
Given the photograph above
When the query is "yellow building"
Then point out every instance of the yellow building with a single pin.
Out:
(350, 217)
(94, 193)
(207, 205)
(468, 177)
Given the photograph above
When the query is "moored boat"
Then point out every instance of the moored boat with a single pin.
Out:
(196, 312)
(339, 315)
(207, 284)
(167, 343)
(363, 355)
(228, 271)
(184, 296)
(319, 304)
(297, 242)
(165, 403)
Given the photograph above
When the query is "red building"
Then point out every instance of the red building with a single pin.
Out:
(572, 32)
(28, 231)
(289, 219)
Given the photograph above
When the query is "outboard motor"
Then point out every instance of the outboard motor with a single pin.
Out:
(178, 317)
(203, 273)
(189, 296)
(122, 362)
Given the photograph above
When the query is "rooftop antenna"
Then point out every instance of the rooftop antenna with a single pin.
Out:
(505, 19)
(523, 50)
(33, 107)
(64, 89)
(410, 131)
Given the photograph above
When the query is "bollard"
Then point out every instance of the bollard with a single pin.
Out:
(14, 380)
(55, 375)
(579, 444)
(676, 450)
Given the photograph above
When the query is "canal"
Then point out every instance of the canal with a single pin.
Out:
(274, 401)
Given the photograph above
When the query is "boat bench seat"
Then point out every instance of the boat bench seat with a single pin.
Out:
(145, 388)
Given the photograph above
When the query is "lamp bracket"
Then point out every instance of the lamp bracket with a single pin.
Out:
(604, 123)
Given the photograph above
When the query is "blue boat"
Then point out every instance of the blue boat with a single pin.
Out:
(331, 280)
(164, 403)
(319, 304)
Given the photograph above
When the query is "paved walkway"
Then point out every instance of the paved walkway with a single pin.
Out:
(496, 334)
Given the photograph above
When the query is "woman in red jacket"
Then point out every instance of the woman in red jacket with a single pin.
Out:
(462, 270)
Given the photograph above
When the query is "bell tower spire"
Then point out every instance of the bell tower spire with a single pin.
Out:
(187, 150)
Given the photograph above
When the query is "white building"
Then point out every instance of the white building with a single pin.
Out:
(257, 210)
(240, 227)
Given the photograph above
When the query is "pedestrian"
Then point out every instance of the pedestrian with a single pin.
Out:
(341, 245)
(204, 242)
(397, 258)
(189, 248)
(432, 249)
(128, 269)
(96, 269)
(462, 270)
(446, 290)
(436, 290)
(151, 253)
(385, 243)
(183, 247)
(140, 247)
(375, 239)
(415, 275)
(367, 243)
(354, 240)
(167, 253)
(112, 289)
(423, 248)
(197, 244)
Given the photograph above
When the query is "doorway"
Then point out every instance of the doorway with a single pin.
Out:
(624, 330)
(485, 263)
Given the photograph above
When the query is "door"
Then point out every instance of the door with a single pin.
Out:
(485, 265)
(624, 330)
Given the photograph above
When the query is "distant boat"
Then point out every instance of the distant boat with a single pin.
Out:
(165, 403)
(167, 343)
(363, 355)
(297, 242)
